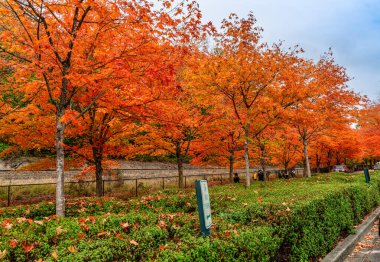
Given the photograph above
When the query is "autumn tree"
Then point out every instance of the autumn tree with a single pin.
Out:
(286, 147)
(243, 71)
(73, 49)
(52, 41)
(156, 52)
(220, 144)
(172, 127)
(328, 102)
(105, 128)
(369, 130)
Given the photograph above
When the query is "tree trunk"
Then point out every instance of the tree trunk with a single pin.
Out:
(98, 173)
(60, 187)
(262, 160)
(318, 162)
(180, 166)
(286, 169)
(232, 160)
(307, 164)
(329, 160)
(246, 157)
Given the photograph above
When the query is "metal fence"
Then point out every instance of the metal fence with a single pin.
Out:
(13, 194)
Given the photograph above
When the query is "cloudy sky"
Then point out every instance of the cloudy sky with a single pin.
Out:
(350, 27)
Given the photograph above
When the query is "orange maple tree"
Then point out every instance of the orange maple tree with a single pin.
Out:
(369, 130)
(328, 102)
(74, 52)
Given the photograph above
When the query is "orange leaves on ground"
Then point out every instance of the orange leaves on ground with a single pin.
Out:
(103, 233)
(161, 224)
(260, 199)
(13, 243)
(72, 249)
(27, 247)
(7, 225)
(119, 236)
(23, 219)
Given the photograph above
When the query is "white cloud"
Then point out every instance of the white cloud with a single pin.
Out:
(350, 27)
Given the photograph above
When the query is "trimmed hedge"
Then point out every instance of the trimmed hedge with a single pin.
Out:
(283, 220)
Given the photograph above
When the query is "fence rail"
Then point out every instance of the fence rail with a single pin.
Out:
(120, 187)
(110, 186)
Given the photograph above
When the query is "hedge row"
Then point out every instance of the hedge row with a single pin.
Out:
(288, 220)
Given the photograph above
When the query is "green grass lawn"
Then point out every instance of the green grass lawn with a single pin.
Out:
(284, 220)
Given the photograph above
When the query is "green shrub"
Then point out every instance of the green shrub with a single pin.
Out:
(292, 220)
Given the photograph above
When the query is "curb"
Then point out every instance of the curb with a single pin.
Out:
(340, 252)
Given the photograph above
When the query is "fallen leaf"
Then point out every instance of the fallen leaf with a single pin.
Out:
(3, 254)
(20, 219)
(227, 234)
(59, 230)
(38, 222)
(161, 224)
(124, 225)
(82, 235)
(27, 247)
(13, 243)
(260, 199)
(54, 254)
(102, 233)
(72, 249)
(133, 242)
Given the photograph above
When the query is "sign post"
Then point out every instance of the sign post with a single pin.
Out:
(204, 208)
(367, 177)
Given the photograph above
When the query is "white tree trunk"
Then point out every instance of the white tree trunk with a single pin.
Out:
(306, 154)
(60, 193)
(246, 157)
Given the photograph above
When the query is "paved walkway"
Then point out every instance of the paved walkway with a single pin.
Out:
(368, 248)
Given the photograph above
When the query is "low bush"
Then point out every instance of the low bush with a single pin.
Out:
(287, 220)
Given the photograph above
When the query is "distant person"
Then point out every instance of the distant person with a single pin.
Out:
(254, 176)
(236, 178)
(260, 175)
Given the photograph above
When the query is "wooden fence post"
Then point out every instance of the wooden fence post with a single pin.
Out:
(9, 195)
(136, 188)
